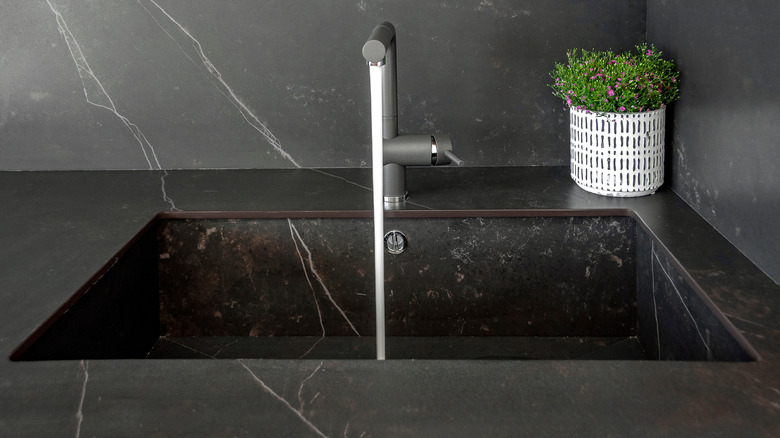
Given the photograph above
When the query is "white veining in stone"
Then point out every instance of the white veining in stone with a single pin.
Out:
(226, 90)
(655, 305)
(219, 82)
(301, 402)
(183, 345)
(270, 391)
(679, 295)
(311, 286)
(95, 92)
(165, 193)
(408, 202)
(757, 324)
(313, 270)
(346, 431)
(96, 95)
(223, 87)
(174, 341)
(341, 178)
(216, 355)
(84, 365)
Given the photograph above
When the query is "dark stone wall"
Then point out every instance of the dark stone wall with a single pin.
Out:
(725, 149)
(162, 84)
(273, 84)
(540, 276)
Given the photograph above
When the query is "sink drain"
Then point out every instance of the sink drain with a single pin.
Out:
(395, 242)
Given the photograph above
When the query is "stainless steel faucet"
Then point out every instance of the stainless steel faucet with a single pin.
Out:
(404, 150)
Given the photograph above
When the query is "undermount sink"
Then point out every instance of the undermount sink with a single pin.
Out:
(509, 284)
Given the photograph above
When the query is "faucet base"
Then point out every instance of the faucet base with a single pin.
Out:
(394, 179)
(396, 199)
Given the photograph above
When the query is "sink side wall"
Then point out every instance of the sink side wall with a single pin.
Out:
(674, 320)
(459, 277)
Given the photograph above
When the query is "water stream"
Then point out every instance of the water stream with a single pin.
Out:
(377, 163)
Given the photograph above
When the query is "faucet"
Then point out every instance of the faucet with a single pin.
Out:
(399, 151)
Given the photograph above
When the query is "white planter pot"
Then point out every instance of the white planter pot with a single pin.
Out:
(618, 154)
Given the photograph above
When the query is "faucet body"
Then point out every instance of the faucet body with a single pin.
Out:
(400, 151)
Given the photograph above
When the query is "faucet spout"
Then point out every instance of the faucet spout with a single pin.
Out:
(379, 50)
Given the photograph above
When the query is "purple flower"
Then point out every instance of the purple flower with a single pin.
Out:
(610, 91)
(622, 108)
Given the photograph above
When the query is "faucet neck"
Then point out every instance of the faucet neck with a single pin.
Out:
(390, 94)
(379, 51)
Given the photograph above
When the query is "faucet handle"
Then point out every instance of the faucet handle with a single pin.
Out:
(453, 158)
(441, 151)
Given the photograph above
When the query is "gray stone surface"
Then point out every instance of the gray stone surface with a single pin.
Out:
(723, 142)
(244, 84)
(61, 227)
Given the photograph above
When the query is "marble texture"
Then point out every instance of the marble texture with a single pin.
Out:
(67, 224)
(676, 320)
(723, 144)
(459, 277)
(486, 285)
(151, 84)
(194, 84)
(262, 278)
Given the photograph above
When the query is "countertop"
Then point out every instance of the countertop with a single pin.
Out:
(59, 228)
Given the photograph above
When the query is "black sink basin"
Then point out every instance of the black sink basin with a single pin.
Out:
(470, 285)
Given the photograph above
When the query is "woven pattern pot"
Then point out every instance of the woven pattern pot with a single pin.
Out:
(618, 154)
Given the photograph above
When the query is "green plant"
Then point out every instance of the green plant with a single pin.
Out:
(601, 81)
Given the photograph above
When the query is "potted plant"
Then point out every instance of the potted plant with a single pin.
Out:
(617, 105)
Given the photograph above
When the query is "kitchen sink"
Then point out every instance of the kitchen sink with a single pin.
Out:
(483, 285)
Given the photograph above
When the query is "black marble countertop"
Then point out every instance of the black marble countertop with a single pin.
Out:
(59, 228)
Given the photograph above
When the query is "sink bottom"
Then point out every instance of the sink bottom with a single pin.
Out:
(401, 347)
